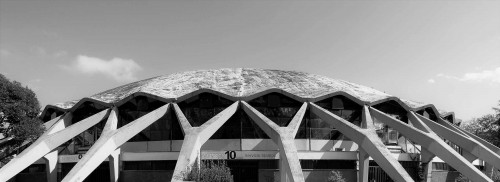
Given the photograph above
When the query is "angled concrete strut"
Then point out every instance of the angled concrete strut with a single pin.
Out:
(110, 140)
(367, 139)
(425, 156)
(285, 138)
(467, 143)
(195, 137)
(433, 144)
(463, 132)
(55, 136)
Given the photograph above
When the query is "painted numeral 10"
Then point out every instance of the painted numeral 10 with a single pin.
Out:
(230, 154)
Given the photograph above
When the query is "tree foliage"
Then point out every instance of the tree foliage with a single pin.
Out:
(210, 171)
(336, 176)
(19, 109)
(487, 127)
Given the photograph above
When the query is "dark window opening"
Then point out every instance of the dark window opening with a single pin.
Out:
(376, 173)
(83, 141)
(449, 118)
(34, 168)
(441, 166)
(313, 127)
(99, 174)
(343, 107)
(136, 108)
(248, 170)
(202, 107)
(250, 129)
(428, 113)
(277, 107)
(149, 165)
(50, 114)
(86, 110)
(328, 164)
(240, 125)
(165, 128)
(393, 109)
(387, 134)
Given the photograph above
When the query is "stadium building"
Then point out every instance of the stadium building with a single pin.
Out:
(269, 125)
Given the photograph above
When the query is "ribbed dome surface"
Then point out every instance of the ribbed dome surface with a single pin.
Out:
(242, 83)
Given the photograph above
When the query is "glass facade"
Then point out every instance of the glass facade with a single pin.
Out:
(165, 128)
(51, 113)
(313, 127)
(240, 126)
(277, 107)
(149, 165)
(328, 164)
(387, 134)
(83, 141)
(202, 107)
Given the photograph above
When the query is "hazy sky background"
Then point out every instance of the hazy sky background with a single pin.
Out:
(443, 53)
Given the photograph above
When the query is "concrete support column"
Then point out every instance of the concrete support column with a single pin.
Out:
(283, 173)
(426, 160)
(471, 148)
(51, 166)
(364, 161)
(195, 137)
(434, 144)
(367, 139)
(284, 137)
(187, 157)
(427, 171)
(60, 132)
(110, 140)
(291, 164)
(114, 165)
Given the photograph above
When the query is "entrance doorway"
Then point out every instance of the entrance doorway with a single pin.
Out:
(253, 170)
(244, 170)
(100, 174)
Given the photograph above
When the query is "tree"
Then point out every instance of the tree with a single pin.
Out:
(210, 171)
(487, 127)
(19, 109)
(335, 176)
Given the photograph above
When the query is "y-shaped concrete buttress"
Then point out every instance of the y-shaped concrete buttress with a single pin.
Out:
(110, 139)
(114, 165)
(433, 144)
(51, 166)
(463, 132)
(364, 161)
(195, 137)
(467, 143)
(55, 136)
(425, 156)
(285, 138)
(368, 140)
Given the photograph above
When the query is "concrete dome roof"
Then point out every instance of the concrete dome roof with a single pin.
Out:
(244, 84)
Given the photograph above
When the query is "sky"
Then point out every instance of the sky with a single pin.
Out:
(445, 53)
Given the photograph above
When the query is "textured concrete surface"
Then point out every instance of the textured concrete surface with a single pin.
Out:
(290, 169)
(110, 140)
(368, 140)
(195, 137)
(243, 83)
(465, 142)
(55, 136)
(434, 144)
